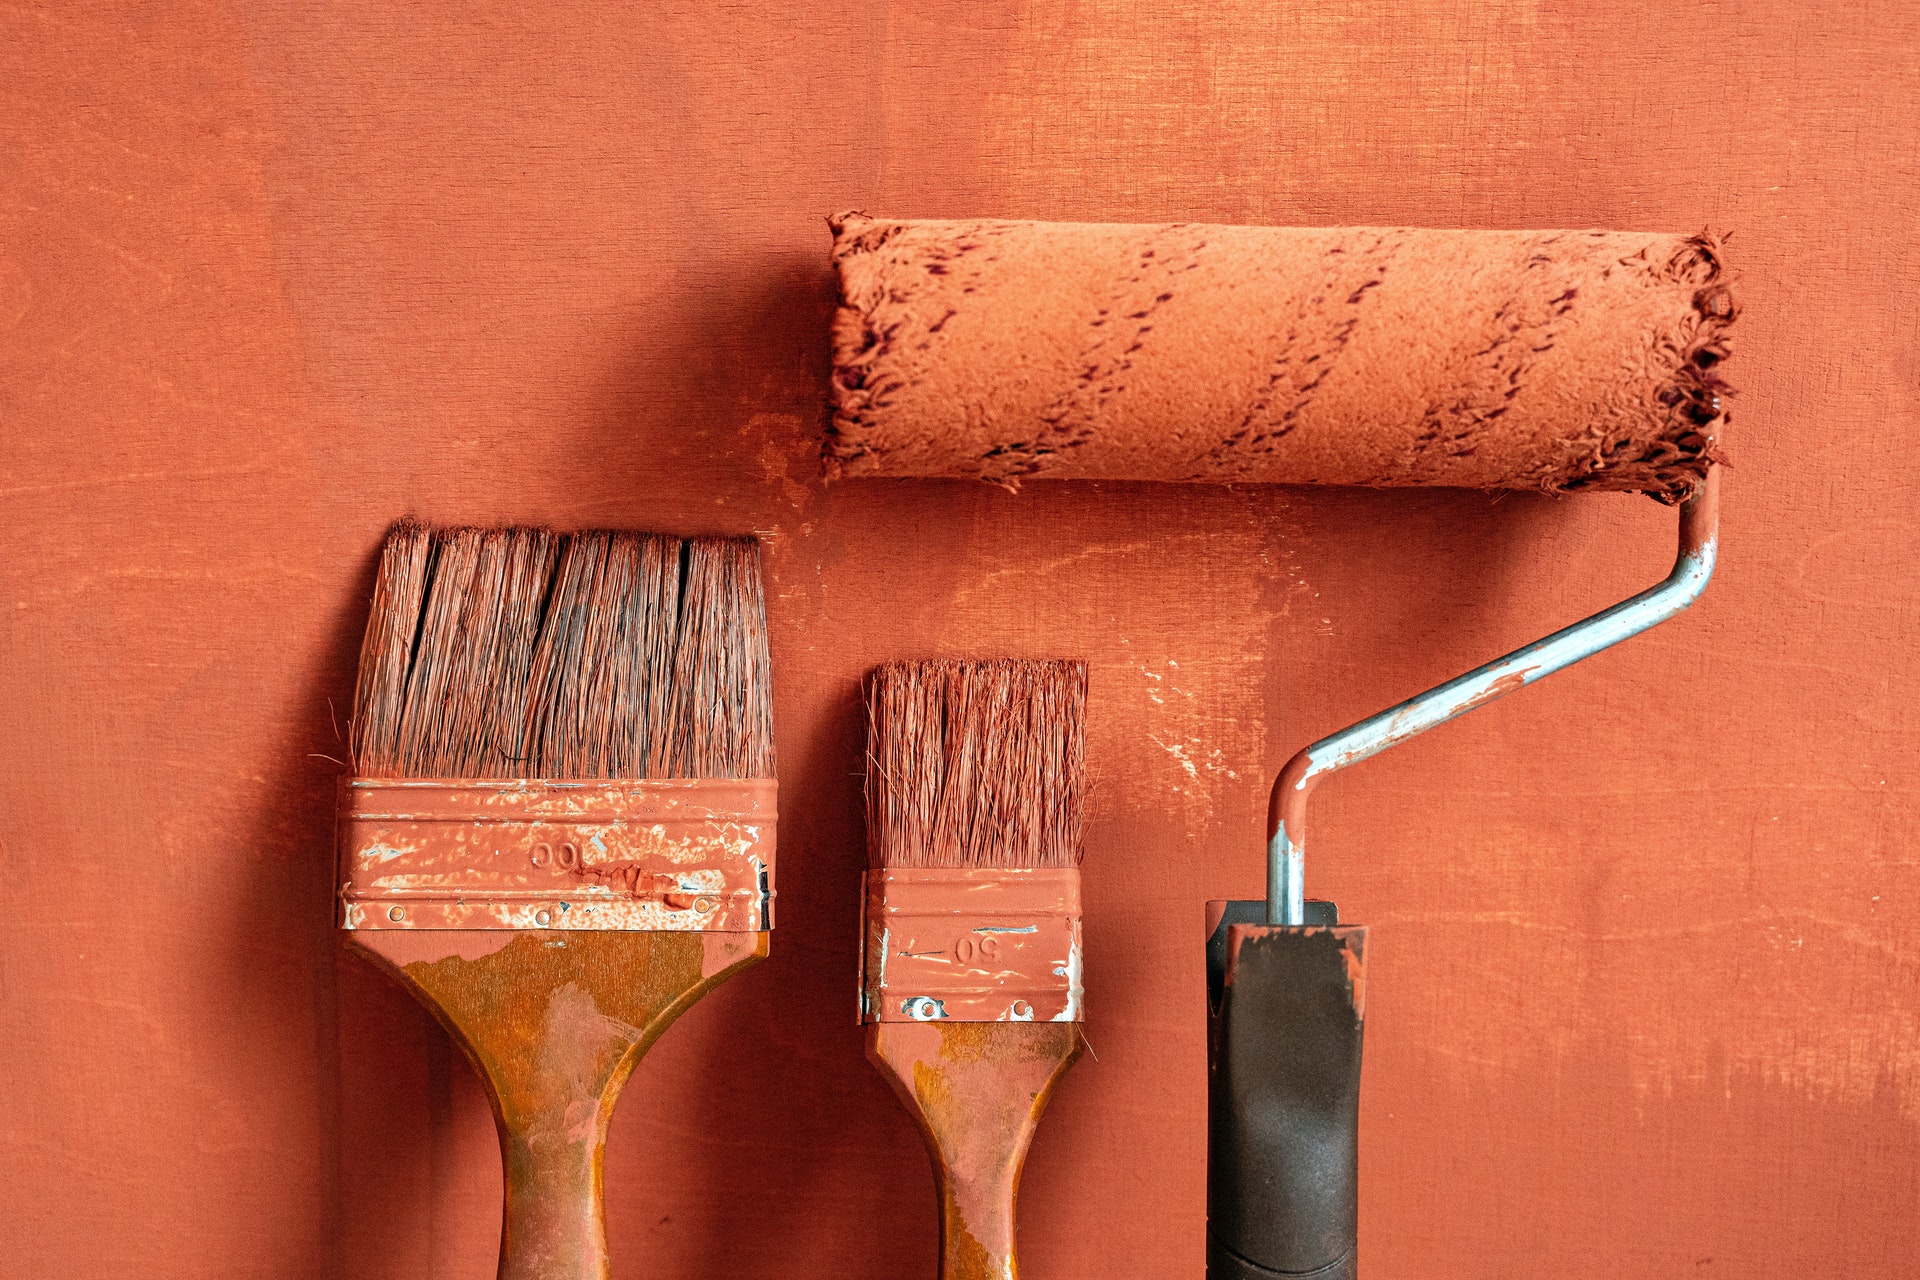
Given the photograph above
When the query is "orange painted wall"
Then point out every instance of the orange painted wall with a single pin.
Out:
(1646, 963)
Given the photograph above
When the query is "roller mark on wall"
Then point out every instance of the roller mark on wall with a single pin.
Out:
(1865, 1047)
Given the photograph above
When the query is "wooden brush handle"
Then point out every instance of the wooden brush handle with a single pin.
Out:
(554, 1223)
(976, 1090)
(556, 1021)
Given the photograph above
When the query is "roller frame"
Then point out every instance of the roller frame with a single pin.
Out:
(1287, 810)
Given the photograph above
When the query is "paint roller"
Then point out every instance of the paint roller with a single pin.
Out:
(1549, 360)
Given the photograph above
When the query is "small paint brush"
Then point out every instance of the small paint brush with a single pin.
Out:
(560, 829)
(971, 991)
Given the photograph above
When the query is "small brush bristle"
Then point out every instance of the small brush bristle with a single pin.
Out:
(976, 764)
(519, 653)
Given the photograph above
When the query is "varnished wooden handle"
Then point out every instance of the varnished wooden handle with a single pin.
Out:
(976, 1090)
(555, 1223)
(556, 1022)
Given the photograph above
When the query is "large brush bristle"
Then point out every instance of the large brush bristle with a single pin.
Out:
(976, 764)
(519, 653)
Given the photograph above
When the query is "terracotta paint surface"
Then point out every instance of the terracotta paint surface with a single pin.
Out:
(1645, 939)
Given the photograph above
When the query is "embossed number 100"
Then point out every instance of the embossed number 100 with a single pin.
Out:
(567, 858)
(971, 948)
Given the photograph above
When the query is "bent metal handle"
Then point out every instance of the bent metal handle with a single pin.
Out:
(1287, 811)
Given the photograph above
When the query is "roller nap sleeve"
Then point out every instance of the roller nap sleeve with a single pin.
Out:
(1360, 356)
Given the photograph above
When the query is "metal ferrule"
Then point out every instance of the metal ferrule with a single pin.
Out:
(669, 854)
(1287, 811)
(971, 944)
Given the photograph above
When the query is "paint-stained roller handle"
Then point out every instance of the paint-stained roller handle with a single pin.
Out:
(976, 1091)
(1284, 1104)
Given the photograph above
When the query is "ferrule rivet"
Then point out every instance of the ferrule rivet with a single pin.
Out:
(543, 919)
(396, 913)
(1021, 1009)
(703, 904)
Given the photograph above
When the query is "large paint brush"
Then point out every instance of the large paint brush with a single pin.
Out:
(560, 829)
(971, 991)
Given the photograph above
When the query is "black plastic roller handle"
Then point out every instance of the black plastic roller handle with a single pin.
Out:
(1287, 1006)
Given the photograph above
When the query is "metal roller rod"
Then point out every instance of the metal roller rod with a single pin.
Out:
(1287, 811)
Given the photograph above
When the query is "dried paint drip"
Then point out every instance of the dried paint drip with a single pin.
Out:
(519, 653)
(1550, 360)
